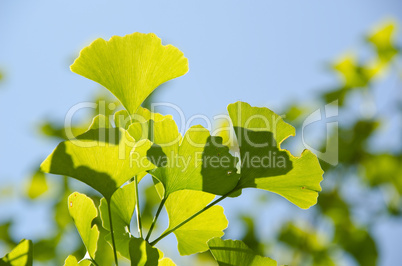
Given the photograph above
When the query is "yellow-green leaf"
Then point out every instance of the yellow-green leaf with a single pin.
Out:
(192, 237)
(82, 209)
(72, 261)
(198, 161)
(122, 208)
(235, 252)
(265, 165)
(142, 253)
(131, 67)
(21, 255)
(37, 185)
(103, 158)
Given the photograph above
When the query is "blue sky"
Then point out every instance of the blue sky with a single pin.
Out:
(267, 53)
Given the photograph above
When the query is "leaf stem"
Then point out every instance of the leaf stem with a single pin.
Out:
(193, 216)
(156, 218)
(139, 223)
(112, 233)
(93, 262)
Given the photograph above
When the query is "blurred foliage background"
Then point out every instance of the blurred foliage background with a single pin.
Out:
(362, 190)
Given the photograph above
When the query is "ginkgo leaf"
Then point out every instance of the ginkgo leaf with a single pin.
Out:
(82, 209)
(99, 122)
(142, 253)
(130, 67)
(166, 262)
(103, 158)
(235, 252)
(37, 185)
(72, 261)
(383, 40)
(124, 120)
(265, 165)
(192, 237)
(21, 255)
(122, 207)
(198, 161)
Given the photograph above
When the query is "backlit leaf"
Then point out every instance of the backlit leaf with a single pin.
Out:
(102, 158)
(131, 67)
(82, 209)
(72, 261)
(142, 253)
(37, 185)
(235, 252)
(197, 161)
(122, 207)
(21, 255)
(192, 237)
(265, 165)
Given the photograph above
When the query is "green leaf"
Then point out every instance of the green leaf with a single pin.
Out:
(235, 252)
(130, 67)
(99, 122)
(72, 261)
(142, 253)
(192, 237)
(122, 208)
(37, 185)
(166, 262)
(124, 120)
(21, 255)
(265, 165)
(197, 161)
(103, 158)
(82, 209)
(383, 39)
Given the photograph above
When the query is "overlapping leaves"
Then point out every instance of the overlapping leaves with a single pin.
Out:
(187, 167)
(265, 165)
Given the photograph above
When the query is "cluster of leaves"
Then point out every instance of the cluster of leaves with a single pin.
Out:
(369, 172)
(378, 172)
(131, 67)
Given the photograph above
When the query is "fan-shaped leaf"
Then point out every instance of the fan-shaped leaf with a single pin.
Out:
(21, 255)
(192, 237)
(131, 67)
(103, 158)
(235, 252)
(197, 161)
(82, 209)
(265, 165)
(122, 208)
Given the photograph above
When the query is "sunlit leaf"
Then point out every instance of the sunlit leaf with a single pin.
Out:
(265, 165)
(383, 40)
(197, 161)
(82, 209)
(122, 207)
(235, 252)
(142, 253)
(37, 185)
(72, 261)
(192, 237)
(100, 122)
(102, 158)
(131, 67)
(21, 255)
(166, 262)
(124, 120)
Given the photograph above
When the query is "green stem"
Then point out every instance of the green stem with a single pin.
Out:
(155, 218)
(112, 233)
(193, 216)
(93, 262)
(139, 223)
